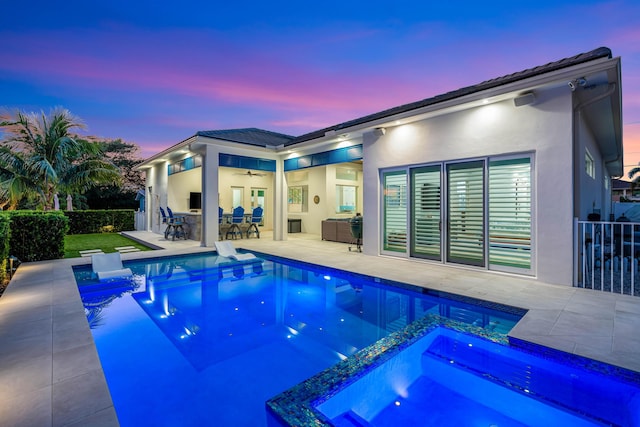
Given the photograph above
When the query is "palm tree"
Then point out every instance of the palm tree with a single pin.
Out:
(632, 175)
(41, 156)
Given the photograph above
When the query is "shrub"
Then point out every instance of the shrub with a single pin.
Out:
(37, 235)
(5, 232)
(100, 221)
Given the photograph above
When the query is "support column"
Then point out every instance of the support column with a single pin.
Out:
(280, 203)
(210, 192)
(371, 194)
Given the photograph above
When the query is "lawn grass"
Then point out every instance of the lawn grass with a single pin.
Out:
(107, 242)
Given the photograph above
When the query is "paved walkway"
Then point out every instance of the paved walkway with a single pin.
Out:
(50, 374)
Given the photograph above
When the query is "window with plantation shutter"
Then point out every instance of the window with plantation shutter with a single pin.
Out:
(466, 213)
(475, 212)
(395, 211)
(510, 214)
(425, 212)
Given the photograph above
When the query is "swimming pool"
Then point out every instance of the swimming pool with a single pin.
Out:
(196, 340)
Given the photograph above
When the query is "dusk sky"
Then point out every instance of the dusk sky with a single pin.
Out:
(154, 73)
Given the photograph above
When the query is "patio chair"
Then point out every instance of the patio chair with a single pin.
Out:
(164, 215)
(237, 218)
(256, 218)
(223, 226)
(109, 266)
(175, 226)
(227, 250)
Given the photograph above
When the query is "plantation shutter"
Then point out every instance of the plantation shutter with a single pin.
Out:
(466, 213)
(425, 212)
(395, 211)
(510, 214)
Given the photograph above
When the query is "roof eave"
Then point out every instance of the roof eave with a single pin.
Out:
(528, 79)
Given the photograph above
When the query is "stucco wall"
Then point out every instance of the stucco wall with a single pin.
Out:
(157, 181)
(543, 128)
(180, 185)
(592, 196)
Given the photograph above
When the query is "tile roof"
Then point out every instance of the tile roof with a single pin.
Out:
(263, 138)
(619, 184)
(250, 136)
(602, 52)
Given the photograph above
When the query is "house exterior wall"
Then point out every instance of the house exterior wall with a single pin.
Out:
(550, 133)
(157, 181)
(180, 185)
(593, 194)
(543, 129)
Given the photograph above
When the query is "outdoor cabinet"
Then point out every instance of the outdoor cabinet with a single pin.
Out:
(336, 230)
(294, 225)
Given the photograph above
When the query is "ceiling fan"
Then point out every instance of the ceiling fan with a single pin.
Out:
(250, 174)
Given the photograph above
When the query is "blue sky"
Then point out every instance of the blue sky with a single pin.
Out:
(154, 73)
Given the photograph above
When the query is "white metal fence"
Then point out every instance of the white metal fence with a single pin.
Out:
(607, 256)
(140, 221)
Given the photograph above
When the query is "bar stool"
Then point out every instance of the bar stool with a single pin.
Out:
(256, 218)
(236, 219)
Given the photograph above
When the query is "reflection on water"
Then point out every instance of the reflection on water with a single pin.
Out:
(195, 338)
(212, 309)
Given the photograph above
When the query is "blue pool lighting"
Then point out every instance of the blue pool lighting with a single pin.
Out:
(188, 343)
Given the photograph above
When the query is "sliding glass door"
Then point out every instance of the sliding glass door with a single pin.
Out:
(465, 213)
(395, 211)
(510, 214)
(472, 212)
(426, 218)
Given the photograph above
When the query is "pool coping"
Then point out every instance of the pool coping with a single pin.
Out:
(50, 371)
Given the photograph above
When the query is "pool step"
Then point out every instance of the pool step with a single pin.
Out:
(589, 393)
(177, 276)
(350, 419)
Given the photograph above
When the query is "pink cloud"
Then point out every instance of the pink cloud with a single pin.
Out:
(254, 77)
(174, 82)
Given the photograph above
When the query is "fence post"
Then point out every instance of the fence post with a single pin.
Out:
(576, 251)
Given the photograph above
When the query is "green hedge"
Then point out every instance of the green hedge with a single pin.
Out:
(100, 221)
(5, 234)
(37, 235)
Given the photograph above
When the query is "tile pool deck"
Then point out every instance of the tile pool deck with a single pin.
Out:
(50, 374)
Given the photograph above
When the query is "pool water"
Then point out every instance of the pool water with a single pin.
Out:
(197, 340)
(450, 378)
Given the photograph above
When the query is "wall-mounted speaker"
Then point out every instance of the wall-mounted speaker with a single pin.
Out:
(526, 99)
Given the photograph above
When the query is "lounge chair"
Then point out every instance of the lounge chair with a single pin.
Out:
(109, 266)
(227, 250)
